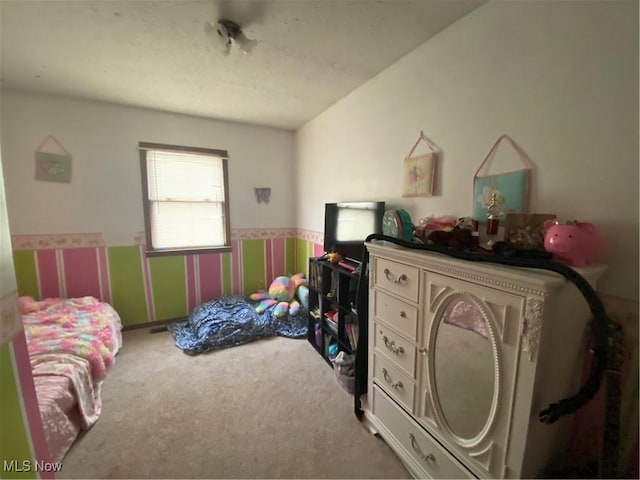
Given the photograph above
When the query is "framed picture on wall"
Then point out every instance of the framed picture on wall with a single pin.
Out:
(52, 167)
(418, 175)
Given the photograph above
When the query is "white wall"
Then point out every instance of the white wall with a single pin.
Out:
(561, 78)
(7, 273)
(10, 320)
(105, 191)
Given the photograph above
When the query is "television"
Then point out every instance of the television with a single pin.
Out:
(348, 224)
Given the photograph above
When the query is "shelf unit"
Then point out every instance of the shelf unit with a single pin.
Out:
(332, 295)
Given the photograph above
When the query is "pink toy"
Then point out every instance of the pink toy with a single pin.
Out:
(574, 243)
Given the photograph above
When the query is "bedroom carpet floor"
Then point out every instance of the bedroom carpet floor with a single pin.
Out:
(268, 409)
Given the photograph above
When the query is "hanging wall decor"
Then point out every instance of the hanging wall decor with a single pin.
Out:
(263, 194)
(418, 176)
(505, 192)
(52, 167)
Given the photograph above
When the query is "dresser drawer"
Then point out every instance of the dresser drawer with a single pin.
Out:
(398, 385)
(396, 313)
(399, 351)
(398, 278)
(420, 446)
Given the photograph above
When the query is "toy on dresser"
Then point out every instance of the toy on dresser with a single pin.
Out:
(575, 243)
(460, 237)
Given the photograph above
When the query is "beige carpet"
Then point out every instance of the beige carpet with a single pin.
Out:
(269, 409)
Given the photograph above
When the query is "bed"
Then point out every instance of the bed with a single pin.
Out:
(232, 320)
(72, 345)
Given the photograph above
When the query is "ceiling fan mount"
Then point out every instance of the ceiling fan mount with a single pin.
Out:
(229, 32)
(228, 29)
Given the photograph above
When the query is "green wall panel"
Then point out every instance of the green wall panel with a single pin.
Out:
(25, 265)
(168, 282)
(290, 256)
(127, 284)
(304, 250)
(253, 266)
(14, 437)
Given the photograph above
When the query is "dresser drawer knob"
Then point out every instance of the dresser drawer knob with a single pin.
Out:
(389, 380)
(389, 276)
(429, 457)
(391, 345)
(423, 351)
(403, 314)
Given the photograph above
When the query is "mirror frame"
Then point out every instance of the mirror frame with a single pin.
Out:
(442, 304)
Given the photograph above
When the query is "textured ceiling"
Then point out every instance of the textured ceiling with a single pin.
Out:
(156, 54)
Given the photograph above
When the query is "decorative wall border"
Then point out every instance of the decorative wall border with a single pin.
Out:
(310, 235)
(82, 240)
(57, 240)
(263, 233)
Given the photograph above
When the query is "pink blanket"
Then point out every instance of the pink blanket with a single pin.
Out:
(67, 398)
(76, 371)
(72, 345)
(77, 326)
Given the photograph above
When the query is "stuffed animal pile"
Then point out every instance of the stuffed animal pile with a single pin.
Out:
(459, 237)
(281, 296)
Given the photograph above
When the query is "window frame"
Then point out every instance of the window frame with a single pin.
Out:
(143, 148)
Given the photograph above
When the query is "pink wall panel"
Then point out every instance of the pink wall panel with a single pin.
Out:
(81, 272)
(23, 366)
(278, 259)
(318, 250)
(268, 260)
(48, 273)
(210, 276)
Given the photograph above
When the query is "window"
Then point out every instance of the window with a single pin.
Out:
(185, 199)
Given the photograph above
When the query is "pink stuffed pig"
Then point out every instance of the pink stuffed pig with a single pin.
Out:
(574, 243)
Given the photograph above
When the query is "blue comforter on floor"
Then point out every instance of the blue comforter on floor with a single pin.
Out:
(232, 320)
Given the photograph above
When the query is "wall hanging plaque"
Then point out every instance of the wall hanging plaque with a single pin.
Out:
(509, 190)
(53, 167)
(263, 194)
(419, 171)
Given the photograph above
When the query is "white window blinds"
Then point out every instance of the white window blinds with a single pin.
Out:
(186, 200)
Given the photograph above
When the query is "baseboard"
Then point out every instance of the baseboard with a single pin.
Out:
(152, 325)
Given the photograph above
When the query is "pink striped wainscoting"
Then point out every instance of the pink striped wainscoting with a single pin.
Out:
(22, 437)
(146, 289)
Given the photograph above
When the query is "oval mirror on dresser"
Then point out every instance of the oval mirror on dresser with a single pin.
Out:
(464, 367)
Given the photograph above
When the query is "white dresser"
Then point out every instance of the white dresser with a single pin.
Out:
(462, 357)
